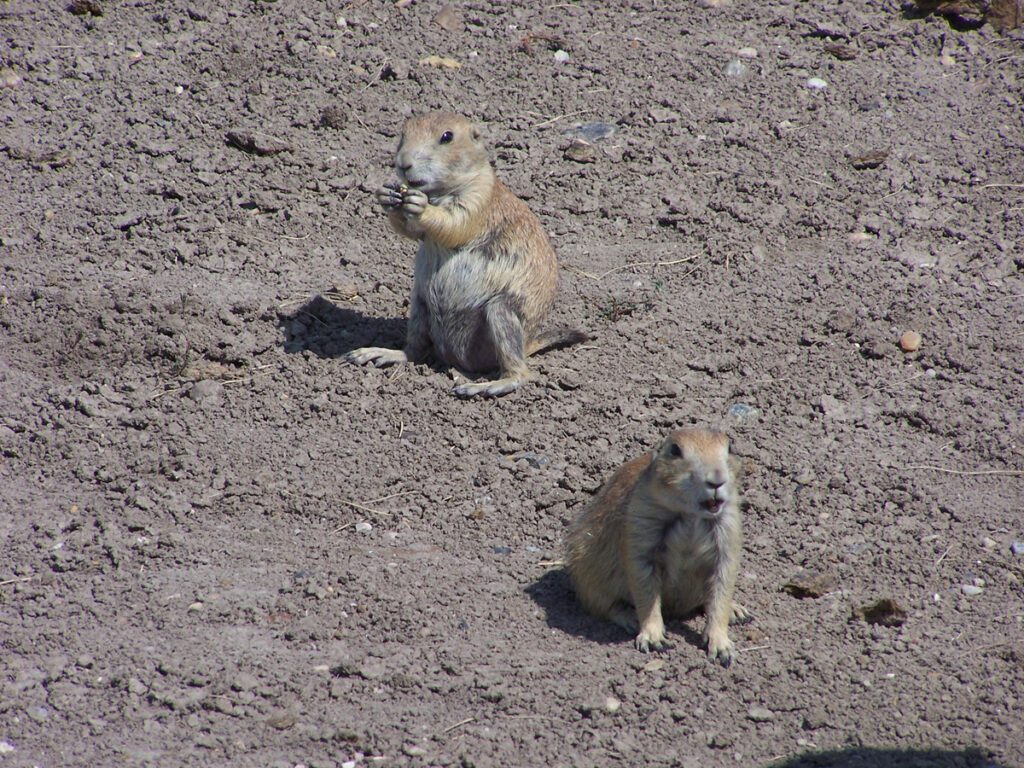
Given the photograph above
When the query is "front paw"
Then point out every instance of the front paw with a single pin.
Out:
(740, 615)
(720, 647)
(414, 202)
(390, 196)
(651, 638)
(378, 356)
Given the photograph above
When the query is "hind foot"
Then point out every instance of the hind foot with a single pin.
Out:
(495, 388)
(378, 356)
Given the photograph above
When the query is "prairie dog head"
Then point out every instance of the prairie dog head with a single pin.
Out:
(691, 473)
(440, 153)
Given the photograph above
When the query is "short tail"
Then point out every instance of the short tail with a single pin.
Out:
(556, 339)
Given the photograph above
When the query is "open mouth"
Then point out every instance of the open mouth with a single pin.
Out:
(714, 506)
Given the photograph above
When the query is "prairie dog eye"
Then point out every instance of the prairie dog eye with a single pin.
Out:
(675, 451)
(446, 137)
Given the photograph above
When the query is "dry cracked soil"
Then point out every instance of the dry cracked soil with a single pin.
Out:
(224, 545)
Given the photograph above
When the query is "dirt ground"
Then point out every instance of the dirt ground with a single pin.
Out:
(224, 545)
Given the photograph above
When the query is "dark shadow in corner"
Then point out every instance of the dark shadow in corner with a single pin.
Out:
(328, 330)
(554, 593)
(867, 757)
(922, 10)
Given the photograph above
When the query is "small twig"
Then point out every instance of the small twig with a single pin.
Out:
(451, 728)
(605, 274)
(550, 563)
(363, 508)
(391, 496)
(752, 648)
(170, 391)
(901, 382)
(1011, 472)
(943, 555)
(995, 185)
(15, 580)
(367, 508)
(562, 117)
(814, 181)
(994, 645)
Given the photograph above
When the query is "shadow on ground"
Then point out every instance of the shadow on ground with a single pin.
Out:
(863, 757)
(553, 592)
(329, 330)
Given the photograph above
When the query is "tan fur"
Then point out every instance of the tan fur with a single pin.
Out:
(662, 538)
(486, 274)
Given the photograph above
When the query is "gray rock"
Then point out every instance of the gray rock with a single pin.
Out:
(743, 413)
(760, 714)
(205, 389)
(592, 131)
(735, 68)
(1017, 547)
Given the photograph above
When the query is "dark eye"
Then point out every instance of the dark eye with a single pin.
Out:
(446, 137)
(675, 450)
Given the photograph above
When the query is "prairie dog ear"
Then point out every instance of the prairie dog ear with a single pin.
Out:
(476, 131)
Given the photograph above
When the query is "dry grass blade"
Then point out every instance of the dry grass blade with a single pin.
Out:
(459, 724)
(968, 472)
(16, 580)
(632, 265)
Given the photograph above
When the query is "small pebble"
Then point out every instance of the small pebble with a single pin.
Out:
(760, 714)
(411, 750)
(448, 19)
(205, 389)
(910, 341)
(561, 56)
(612, 705)
(535, 460)
(6, 747)
(970, 590)
(735, 68)
(363, 527)
(817, 84)
(592, 131)
(9, 78)
(1017, 547)
(743, 413)
(989, 543)
(580, 152)
(747, 53)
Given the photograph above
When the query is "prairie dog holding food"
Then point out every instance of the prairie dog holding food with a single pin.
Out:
(485, 274)
(662, 537)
